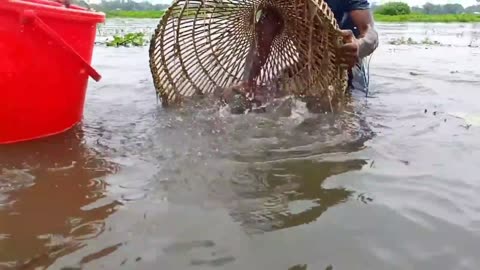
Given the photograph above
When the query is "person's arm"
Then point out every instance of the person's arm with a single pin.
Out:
(368, 38)
(367, 41)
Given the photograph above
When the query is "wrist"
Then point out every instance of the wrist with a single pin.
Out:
(367, 44)
(363, 48)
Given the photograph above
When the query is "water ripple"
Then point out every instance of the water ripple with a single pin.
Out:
(388, 184)
(88, 230)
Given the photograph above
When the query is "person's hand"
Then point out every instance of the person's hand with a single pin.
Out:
(348, 52)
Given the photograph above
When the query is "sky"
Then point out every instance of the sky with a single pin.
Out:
(410, 2)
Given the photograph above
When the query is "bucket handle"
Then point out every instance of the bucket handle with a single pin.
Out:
(29, 17)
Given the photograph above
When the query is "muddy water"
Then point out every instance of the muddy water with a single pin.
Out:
(389, 184)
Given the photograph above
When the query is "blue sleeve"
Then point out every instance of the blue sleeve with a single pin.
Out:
(356, 5)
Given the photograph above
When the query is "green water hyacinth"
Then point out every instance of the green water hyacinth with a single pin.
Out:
(131, 39)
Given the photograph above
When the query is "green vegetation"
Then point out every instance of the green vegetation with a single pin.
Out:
(150, 14)
(393, 8)
(389, 12)
(427, 8)
(109, 5)
(410, 41)
(418, 17)
(401, 12)
(155, 14)
(131, 39)
(412, 17)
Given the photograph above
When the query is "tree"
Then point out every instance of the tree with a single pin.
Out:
(394, 8)
(453, 9)
(429, 8)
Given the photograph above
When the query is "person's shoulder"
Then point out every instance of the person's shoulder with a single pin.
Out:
(350, 5)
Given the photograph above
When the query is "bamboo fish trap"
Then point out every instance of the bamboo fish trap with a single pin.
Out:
(200, 46)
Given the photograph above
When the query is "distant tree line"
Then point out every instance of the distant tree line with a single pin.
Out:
(400, 8)
(391, 8)
(109, 5)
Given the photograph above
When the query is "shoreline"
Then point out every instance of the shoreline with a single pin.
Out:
(410, 18)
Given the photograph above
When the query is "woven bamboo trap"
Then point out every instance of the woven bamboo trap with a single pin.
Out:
(201, 46)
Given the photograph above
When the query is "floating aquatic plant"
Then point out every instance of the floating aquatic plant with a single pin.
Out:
(410, 41)
(136, 39)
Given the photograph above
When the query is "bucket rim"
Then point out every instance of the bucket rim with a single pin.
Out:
(55, 9)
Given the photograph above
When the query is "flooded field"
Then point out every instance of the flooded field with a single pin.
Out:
(389, 184)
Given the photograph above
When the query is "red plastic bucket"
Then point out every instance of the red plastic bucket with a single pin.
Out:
(45, 56)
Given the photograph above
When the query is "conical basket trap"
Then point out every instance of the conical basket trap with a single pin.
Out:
(200, 46)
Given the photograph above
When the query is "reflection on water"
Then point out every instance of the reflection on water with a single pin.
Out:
(46, 189)
(273, 167)
(281, 184)
(259, 166)
(201, 189)
(293, 194)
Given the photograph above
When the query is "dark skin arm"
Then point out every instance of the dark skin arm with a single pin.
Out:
(349, 53)
(364, 45)
(271, 24)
